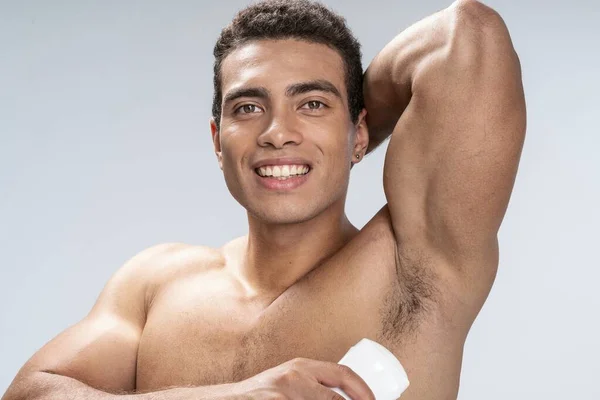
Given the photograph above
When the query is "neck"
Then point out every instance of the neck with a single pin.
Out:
(278, 255)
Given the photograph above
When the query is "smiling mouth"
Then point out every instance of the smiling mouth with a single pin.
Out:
(282, 172)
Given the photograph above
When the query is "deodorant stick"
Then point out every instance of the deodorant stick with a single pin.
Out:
(378, 367)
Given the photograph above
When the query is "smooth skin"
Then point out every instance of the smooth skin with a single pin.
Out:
(269, 315)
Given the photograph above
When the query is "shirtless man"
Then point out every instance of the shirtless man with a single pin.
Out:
(269, 315)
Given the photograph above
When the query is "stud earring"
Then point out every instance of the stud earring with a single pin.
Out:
(357, 156)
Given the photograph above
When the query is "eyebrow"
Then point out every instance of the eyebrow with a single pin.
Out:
(320, 85)
(259, 92)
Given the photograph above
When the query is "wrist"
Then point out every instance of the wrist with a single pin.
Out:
(227, 391)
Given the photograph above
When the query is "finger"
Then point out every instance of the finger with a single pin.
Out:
(335, 375)
(315, 390)
(353, 385)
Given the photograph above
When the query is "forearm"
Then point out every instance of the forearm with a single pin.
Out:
(45, 386)
(389, 81)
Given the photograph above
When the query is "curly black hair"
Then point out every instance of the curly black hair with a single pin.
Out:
(292, 19)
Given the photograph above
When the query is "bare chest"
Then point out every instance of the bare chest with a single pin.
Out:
(199, 333)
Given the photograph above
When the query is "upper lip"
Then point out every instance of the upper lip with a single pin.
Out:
(281, 161)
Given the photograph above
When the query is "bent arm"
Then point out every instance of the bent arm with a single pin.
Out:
(97, 358)
(448, 90)
(48, 386)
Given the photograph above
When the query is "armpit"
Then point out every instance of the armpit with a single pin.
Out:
(411, 298)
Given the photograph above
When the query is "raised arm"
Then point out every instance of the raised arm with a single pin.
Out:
(449, 91)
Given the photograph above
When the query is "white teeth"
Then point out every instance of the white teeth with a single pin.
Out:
(283, 171)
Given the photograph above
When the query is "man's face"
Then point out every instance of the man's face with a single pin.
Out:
(285, 112)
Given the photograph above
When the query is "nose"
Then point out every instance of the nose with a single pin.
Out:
(280, 132)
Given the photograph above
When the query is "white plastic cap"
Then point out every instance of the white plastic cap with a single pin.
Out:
(378, 367)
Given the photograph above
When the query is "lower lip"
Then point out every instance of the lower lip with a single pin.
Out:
(284, 184)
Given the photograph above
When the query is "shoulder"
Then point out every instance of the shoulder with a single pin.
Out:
(151, 268)
(165, 261)
(169, 256)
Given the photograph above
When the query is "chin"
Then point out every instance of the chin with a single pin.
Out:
(282, 216)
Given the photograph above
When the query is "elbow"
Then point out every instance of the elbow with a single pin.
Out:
(18, 390)
(32, 386)
(477, 14)
(479, 21)
(479, 35)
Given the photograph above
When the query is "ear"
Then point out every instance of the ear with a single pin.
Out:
(216, 138)
(361, 138)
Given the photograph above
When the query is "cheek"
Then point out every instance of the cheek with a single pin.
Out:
(233, 148)
(330, 133)
(231, 164)
(339, 146)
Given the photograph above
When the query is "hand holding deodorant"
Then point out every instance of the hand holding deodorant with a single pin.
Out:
(378, 367)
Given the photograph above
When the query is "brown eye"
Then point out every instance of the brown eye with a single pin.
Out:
(314, 105)
(248, 108)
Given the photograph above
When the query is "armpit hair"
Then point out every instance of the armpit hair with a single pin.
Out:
(411, 298)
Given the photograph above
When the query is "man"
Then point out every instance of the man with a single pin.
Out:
(269, 315)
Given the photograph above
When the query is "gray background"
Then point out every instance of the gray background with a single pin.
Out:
(105, 150)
